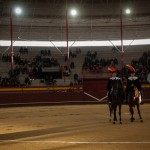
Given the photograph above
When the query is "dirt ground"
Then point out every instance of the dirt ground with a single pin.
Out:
(72, 127)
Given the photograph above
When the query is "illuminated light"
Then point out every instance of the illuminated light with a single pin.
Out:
(128, 11)
(76, 44)
(73, 12)
(18, 10)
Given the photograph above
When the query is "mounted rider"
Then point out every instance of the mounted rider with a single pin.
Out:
(133, 81)
(114, 85)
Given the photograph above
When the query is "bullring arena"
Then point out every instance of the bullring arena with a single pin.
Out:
(67, 123)
(72, 127)
(54, 73)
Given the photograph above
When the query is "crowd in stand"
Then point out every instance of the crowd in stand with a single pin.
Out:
(142, 67)
(33, 69)
(46, 52)
(23, 50)
(9, 81)
(95, 64)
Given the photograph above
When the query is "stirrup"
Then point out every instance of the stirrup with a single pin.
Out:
(109, 102)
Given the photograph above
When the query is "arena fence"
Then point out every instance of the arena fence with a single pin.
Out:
(90, 91)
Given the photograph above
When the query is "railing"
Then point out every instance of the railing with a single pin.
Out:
(42, 89)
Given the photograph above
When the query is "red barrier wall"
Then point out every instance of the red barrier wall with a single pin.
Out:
(97, 87)
(45, 98)
(92, 89)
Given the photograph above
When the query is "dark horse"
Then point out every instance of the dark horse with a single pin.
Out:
(116, 97)
(134, 100)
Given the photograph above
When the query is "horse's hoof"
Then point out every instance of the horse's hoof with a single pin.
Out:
(114, 122)
(132, 119)
(141, 120)
(120, 122)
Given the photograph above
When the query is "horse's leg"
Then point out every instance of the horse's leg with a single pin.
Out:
(132, 113)
(120, 114)
(115, 118)
(139, 112)
(110, 111)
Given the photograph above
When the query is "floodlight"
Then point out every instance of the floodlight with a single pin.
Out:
(18, 10)
(128, 11)
(73, 12)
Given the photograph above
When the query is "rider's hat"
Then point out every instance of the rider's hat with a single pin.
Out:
(131, 69)
(112, 69)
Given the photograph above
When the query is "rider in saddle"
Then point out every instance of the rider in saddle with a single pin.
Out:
(133, 81)
(114, 85)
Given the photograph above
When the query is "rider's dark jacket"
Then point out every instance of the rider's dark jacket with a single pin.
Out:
(114, 85)
(133, 81)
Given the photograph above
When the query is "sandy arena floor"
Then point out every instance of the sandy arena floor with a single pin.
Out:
(72, 127)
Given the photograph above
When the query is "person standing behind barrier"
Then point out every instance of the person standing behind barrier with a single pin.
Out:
(133, 80)
(114, 85)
